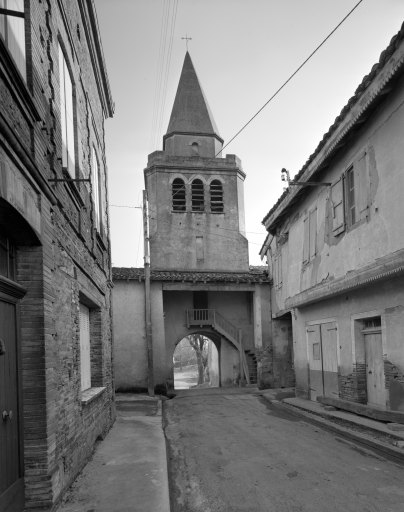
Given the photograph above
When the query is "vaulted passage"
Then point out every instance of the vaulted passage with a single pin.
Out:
(196, 363)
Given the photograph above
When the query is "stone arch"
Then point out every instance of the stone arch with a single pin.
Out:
(15, 226)
(213, 336)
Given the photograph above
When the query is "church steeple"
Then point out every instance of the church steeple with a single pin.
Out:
(192, 130)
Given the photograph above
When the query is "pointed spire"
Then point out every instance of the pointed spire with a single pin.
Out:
(191, 113)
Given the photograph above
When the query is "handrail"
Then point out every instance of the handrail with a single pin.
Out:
(213, 318)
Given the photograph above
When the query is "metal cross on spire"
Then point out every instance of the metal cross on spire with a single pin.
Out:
(187, 39)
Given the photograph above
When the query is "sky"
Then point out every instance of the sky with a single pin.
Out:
(243, 51)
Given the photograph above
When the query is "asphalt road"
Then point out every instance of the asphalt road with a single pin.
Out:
(235, 452)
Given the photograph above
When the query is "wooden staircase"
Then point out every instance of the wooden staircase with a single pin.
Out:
(211, 318)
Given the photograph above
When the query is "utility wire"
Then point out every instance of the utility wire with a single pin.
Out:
(291, 76)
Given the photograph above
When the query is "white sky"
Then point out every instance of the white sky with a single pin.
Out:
(242, 50)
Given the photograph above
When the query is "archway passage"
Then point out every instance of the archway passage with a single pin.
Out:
(196, 363)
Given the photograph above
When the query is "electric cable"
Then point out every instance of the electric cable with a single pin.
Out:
(291, 76)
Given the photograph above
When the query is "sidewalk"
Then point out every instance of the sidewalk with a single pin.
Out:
(128, 471)
(386, 438)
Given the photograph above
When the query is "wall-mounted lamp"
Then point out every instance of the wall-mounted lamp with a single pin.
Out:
(285, 176)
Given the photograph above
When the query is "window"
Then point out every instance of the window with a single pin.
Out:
(97, 197)
(12, 31)
(199, 248)
(85, 359)
(198, 196)
(350, 196)
(310, 236)
(195, 148)
(66, 116)
(7, 258)
(178, 195)
(277, 270)
(216, 197)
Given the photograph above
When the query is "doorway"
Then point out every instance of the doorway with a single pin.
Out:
(323, 362)
(11, 447)
(375, 387)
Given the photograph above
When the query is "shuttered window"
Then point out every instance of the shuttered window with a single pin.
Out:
(198, 196)
(362, 187)
(12, 31)
(178, 195)
(66, 116)
(216, 197)
(310, 236)
(85, 360)
(337, 207)
(277, 270)
(306, 239)
(96, 191)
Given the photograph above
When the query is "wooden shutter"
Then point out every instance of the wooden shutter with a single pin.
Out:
(312, 233)
(279, 270)
(362, 187)
(337, 207)
(85, 361)
(306, 240)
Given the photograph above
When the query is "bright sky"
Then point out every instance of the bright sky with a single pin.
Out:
(242, 50)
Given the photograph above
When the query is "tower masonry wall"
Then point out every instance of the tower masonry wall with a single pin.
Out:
(189, 239)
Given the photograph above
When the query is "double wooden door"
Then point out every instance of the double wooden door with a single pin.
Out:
(11, 467)
(323, 363)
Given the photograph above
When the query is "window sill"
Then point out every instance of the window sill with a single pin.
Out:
(91, 394)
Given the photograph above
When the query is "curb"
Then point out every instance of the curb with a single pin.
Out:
(394, 454)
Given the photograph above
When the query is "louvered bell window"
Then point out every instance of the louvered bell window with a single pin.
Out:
(198, 196)
(216, 197)
(178, 195)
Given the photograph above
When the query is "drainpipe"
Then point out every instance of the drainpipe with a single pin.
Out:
(149, 339)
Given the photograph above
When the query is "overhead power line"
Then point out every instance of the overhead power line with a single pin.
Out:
(292, 75)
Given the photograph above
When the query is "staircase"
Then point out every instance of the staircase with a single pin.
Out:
(252, 366)
(211, 318)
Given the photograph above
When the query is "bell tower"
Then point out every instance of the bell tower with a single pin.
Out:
(196, 197)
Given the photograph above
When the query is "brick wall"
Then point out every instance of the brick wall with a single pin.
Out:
(69, 263)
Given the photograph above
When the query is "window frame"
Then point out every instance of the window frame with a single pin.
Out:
(85, 347)
(96, 192)
(179, 203)
(310, 235)
(216, 196)
(197, 196)
(67, 120)
(12, 15)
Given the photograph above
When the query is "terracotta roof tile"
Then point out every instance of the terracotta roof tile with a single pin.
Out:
(257, 274)
(366, 81)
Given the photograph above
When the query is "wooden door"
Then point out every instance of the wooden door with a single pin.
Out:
(11, 477)
(315, 362)
(329, 359)
(375, 385)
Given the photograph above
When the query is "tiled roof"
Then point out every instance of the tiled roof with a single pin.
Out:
(366, 82)
(257, 274)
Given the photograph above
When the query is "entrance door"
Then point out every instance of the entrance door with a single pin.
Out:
(374, 367)
(323, 365)
(11, 478)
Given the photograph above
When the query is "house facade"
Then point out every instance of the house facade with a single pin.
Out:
(335, 249)
(201, 281)
(56, 392)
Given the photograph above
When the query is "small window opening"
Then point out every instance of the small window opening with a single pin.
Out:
(195, 148)
(372, 323)
(178, 195)
(7, 258)
(198, 198)
(216, 197)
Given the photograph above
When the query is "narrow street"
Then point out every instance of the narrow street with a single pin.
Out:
(235, 452)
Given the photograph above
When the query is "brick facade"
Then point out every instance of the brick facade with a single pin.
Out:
(62, 259)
